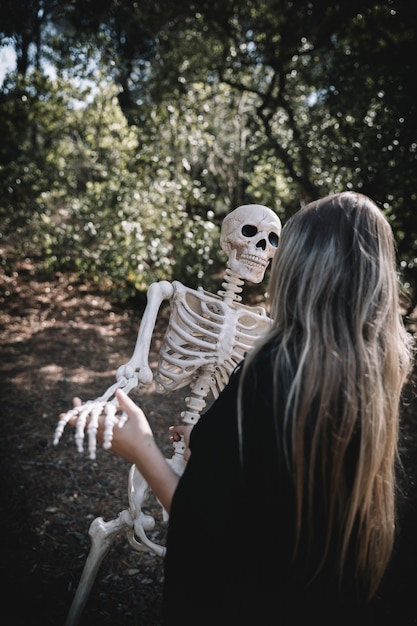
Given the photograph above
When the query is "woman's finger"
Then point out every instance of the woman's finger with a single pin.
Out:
(125, 403)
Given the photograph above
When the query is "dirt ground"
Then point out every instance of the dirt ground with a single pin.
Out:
(60, 339)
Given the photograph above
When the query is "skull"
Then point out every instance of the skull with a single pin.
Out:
(249, 236)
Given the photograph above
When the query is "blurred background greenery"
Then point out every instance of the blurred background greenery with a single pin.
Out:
(130, 129)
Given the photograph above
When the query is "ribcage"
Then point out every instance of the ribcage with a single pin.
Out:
(205, 332)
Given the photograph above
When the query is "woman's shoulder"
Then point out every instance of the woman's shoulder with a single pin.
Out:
(258, 371)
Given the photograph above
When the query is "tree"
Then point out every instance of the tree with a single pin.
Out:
(268, 100)
(330, 86)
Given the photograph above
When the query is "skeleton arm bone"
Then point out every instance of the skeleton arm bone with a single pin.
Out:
(138, 365)
(127, 377)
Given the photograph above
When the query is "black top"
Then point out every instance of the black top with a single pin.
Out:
(230, 536)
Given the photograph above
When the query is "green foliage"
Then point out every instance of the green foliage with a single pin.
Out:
(107, 209)
(160, 118)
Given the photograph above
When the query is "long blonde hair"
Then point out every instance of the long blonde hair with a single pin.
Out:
(335, 307)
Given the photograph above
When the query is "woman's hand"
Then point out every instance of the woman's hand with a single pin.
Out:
(129, 440)
(135, 437)
(182, 430)
(134, 441)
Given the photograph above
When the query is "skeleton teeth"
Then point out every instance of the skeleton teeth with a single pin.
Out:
(253, 260)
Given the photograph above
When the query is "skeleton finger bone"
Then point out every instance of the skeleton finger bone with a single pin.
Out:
(80, 427)
(92, 429)
(122, 419)
(63, 421)
(110, 420)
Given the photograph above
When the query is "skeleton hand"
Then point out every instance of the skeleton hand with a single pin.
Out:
(86, 416)
(127, 378)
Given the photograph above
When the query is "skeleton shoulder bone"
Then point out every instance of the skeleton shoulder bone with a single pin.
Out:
(200, 323)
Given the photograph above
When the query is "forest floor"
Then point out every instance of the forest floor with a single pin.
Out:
(60, 339)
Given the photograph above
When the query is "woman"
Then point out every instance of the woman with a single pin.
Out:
(286, 509)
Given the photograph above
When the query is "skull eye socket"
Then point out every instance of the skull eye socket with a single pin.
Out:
(273, 239)
(249, 231)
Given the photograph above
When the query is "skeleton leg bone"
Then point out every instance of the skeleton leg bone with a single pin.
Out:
(133, 522)
(138, 491)
(102, 535)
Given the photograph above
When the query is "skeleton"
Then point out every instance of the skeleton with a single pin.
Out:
(207, 336)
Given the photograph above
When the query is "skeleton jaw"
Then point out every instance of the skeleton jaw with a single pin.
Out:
(250, 267)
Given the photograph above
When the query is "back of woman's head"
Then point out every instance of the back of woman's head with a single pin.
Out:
(334, 302)
(335, 267)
